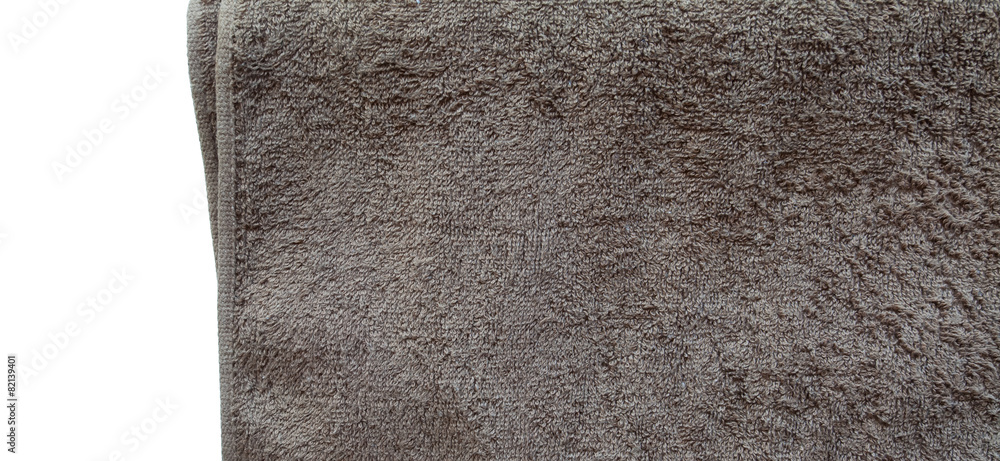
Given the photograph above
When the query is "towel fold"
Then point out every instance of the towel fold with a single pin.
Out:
(555, 229)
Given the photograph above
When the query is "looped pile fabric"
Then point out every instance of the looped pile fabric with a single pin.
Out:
(554, 229)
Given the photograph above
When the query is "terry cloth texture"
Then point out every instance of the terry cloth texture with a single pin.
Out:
(604, 229)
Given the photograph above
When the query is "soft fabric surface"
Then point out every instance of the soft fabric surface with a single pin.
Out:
(604, 230)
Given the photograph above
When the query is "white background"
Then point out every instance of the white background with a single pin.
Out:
(133, 204)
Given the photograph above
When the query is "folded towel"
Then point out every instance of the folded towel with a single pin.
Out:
(604, 229)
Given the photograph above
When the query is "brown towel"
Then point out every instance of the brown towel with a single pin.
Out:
(553, 229)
